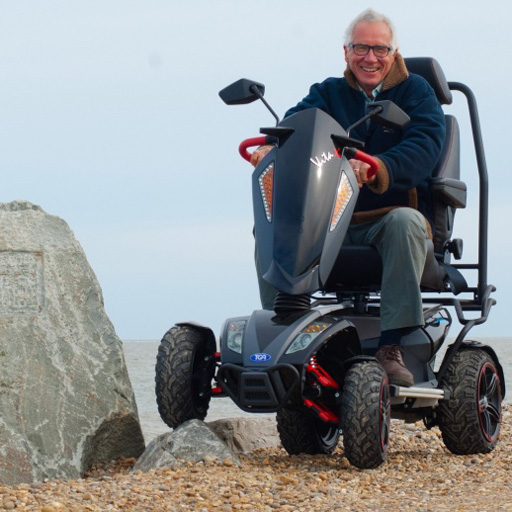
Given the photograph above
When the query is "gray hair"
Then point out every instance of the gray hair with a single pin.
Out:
(370, 15)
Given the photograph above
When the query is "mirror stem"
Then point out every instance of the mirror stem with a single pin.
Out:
(257, 92)
(376, 110)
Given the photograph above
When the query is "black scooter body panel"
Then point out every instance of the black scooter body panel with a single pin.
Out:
(271, 334)
(296, 247)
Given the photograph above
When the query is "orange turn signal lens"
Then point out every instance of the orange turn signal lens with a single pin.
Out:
(306, 336)
(266, 181)
(343, 195)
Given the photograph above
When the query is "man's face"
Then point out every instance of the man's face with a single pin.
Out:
(369, 70)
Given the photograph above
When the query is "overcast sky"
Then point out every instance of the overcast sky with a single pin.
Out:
(110, 119)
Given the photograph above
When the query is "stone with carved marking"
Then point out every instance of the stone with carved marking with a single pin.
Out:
(66, 401)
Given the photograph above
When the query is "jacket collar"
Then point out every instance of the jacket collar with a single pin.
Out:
(397, 74)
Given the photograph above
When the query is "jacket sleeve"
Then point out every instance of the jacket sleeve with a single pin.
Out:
(317, 97)
(410, 162)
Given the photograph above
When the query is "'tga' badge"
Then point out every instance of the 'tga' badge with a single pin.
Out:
(260, 358)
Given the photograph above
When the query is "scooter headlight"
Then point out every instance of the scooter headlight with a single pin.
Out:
(266, 181)
(306, 336)
(343, 195)
(235, 335)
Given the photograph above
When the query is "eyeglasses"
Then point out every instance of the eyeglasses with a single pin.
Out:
(363, 49)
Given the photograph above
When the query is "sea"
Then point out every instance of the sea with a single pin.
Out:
(141, 358)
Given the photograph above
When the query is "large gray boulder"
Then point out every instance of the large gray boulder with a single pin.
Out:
(66, 401)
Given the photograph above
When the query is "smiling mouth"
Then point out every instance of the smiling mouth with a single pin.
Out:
(370, 70)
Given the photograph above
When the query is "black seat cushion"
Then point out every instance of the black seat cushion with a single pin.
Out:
(359, 268)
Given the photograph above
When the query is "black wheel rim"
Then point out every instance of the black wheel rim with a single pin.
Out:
(327, 433)
(384, 416)
(489, 401)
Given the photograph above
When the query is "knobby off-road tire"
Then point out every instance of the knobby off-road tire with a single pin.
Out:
(301, 432)
(470, 420)
(365, 411)
(184, 370)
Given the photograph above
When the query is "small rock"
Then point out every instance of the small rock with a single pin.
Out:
(288, 480)
(244, 435)
(191, 442)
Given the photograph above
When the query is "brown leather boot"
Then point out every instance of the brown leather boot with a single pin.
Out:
(390, 357)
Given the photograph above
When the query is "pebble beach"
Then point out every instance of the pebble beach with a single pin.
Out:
(420, 475)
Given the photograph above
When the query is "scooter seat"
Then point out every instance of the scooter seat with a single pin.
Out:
(359, 268)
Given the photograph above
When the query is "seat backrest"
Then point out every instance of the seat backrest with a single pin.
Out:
(448, 165)
(447, 191)
(431, 71)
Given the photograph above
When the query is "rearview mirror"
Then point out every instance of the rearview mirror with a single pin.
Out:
(242, 91)
(389, 114)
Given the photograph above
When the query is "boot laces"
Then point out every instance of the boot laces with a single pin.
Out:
(394, 352)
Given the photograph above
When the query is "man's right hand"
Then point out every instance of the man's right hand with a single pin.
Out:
(361, 171)
(259, 153)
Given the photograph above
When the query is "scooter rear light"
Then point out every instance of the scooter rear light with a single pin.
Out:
(343, 195)
(266, 181)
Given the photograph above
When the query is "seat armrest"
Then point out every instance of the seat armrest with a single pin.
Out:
(450, 191)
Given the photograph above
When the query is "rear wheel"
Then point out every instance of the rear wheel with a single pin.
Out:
(366, 415)
(185, 367)
(301, 432)
(470, 420)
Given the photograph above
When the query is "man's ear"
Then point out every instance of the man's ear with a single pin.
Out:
(345, 49)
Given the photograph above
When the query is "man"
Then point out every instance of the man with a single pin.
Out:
(393, 211)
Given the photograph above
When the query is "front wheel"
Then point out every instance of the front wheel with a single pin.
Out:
(470, 419)
(185, 367)
(301, 432)
(366, 415)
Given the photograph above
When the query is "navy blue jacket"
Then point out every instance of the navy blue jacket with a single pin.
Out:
(406, 157)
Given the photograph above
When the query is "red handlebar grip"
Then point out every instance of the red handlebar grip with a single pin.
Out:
(367, 159)
(247, 143)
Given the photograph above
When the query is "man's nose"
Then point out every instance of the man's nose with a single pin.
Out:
(370, 56)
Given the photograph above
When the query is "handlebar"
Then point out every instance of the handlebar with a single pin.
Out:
(353, 153)
(350, 153)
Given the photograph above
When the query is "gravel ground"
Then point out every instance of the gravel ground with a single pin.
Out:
(420, 475)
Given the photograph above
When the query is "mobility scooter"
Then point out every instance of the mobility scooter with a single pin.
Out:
(311, 359)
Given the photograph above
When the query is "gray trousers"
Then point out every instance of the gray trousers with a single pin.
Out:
(401, 239)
